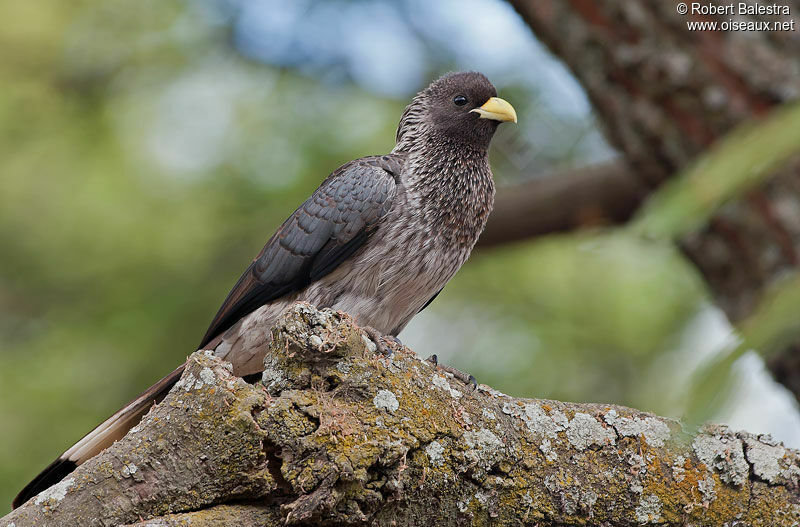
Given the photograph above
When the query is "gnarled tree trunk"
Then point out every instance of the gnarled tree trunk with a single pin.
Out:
(664, 94)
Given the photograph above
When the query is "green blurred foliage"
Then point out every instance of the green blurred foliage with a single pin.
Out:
(116, 255)
(744, 158)
(772, 327)
(584, 316)
(144, 163)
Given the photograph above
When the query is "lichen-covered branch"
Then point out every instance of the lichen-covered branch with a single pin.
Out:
(337, 435)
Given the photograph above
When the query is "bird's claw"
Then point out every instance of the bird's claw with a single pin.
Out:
(379, 340)
(458, 374)
(393, 339)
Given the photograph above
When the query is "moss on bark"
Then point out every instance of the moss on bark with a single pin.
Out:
(336, 435)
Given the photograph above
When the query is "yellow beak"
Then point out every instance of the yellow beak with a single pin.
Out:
(497, 109)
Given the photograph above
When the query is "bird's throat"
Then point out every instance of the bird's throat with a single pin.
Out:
(452, 192)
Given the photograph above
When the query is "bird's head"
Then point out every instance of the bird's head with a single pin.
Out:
(456, 108)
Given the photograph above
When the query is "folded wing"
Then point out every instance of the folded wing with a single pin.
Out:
(328, 228)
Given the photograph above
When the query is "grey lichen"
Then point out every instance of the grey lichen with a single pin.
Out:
(706, 488)
(588, 499)
(386, 400)
(482, 497)
(434, 450)
(547, 449)
(723, 452)
(764, 458)
(309, 331)
(189, 382)
(649, 509)
(52, 497)
(273, 376)
(491, 391)
(584, 431)
(483, 439)
(129, 470)
(569, 502)
(536, 419)
(678, 470)
(484, 447)
(441, 383)
(654, 430)
(207, 376)
(551, 484)
(186, 382)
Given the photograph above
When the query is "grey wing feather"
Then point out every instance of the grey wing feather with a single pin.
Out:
(323, 232)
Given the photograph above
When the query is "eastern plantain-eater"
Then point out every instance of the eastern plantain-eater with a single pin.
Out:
(378, 239)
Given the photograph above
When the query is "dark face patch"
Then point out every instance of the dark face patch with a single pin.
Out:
(450, 101)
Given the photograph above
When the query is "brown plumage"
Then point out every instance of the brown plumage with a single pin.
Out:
(378, 239)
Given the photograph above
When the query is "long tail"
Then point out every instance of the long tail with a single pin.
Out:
(110, 430)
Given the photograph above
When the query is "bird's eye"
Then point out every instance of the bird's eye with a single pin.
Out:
(460, 100)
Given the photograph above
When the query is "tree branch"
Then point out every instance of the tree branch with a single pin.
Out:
(665, 94)
(338, 436)
(597, 194)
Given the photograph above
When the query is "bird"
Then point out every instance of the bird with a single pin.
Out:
(378, 239)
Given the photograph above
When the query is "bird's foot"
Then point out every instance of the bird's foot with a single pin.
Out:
(466, 378)
(380, 340)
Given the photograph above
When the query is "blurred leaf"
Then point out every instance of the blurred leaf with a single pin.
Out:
(772, 326)
(776, 321)
(743, 158)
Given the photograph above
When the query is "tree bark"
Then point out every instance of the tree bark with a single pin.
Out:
(601, 194)
(664, 94)
(335, 435)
